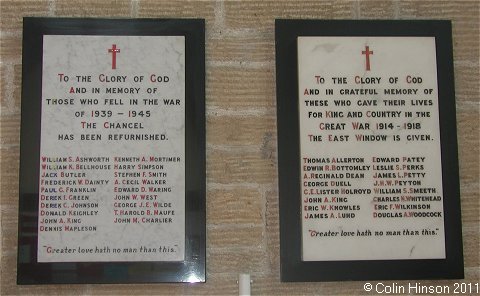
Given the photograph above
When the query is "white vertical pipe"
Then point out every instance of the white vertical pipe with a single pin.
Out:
(244, 284)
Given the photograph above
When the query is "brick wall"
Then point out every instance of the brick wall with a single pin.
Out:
(242, 195)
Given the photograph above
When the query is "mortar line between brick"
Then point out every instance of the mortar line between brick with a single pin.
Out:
(217, 111)
(9, 146)
(231, 148)
(231, 226)
(237, 33)
(241, 64)
(9, 89)
(469, 188)
(52, 7)
(466, 63)
(134, 7)
(466, 105)
(5, 112)
(14, 33)
(233, 186)
(472, 226)
(11, 61)
(263, 194)
(396, 9)
(473, 269)
(219, 10)
(356, 11)
(234, 249)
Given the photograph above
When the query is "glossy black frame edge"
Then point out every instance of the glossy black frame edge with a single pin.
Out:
(192, 269)
(292, 268)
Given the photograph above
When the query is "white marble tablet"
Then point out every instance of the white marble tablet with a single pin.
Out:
(370, 149)
(112, 156)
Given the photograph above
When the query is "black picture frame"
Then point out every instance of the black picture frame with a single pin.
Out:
(293, 269)
(192, 269)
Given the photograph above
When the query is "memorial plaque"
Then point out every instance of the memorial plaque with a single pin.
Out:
(112, 156)
(372, 169)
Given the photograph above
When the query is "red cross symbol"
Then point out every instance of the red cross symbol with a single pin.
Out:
(367, 54)
(114, 51)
